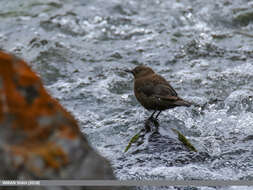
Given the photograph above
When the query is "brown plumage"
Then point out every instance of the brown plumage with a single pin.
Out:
(154, 92)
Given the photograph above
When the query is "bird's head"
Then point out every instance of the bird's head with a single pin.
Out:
(140, 71)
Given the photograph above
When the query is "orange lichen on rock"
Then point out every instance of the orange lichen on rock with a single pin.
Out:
(26, 99)
(29, 112)
(50, 154)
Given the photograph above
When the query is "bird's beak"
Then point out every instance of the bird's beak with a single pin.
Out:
(128, 71)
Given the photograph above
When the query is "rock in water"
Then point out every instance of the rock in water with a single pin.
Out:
(39, 139)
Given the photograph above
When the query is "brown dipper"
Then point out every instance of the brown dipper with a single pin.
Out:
(154, 92)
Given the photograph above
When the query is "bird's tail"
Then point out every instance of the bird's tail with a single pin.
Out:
(182, 102)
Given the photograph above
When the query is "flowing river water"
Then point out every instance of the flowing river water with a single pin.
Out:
(204, 48)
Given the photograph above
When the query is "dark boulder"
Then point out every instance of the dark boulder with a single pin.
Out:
(160, 149)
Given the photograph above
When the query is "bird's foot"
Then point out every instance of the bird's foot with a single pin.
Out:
(154, 121)
(151, 121)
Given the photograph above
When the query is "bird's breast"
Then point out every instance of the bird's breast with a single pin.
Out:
(147, 101)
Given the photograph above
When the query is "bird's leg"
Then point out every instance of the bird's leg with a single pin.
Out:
(147, 122)
(151, 117)
(154, 120)
(158, 114)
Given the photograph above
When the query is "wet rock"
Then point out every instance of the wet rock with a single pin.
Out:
(166, 143)
(161, 148)
(39, 139)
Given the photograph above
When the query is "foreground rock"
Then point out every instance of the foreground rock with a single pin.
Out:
(39, 139)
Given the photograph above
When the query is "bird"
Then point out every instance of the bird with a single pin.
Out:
(154, 92)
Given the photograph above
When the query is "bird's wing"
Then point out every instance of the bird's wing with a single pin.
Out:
(159, 88)
(160, 92)
(175, 100)
(167, 93)
(165, 90)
